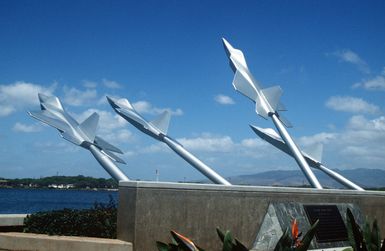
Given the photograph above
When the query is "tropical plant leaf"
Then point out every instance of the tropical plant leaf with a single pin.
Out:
(162, 246)
(239, 246)
(375, 236)
(221, 235)
(184, 242)
(284, 242)
(227, 242)
(367, 234)
(357, 238)
(306, 240)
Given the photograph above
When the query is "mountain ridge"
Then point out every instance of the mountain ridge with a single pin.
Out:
(366, 178)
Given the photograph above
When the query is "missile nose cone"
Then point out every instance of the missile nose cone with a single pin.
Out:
(42, 97)
(112, 102)
(227, 46)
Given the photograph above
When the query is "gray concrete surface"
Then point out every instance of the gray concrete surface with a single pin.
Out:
(40, 242)
(149, 210)
(12, 219)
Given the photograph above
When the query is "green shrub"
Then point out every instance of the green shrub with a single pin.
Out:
(99, 221)
(363, 240)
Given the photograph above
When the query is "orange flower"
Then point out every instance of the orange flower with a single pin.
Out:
(294, 229)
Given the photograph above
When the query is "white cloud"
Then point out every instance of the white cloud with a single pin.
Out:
(252, 143)
(5, 110)
(208, 143)
(375, 84)
(351, 104)
(75, 97)
(19, 127)
(322, 138)
(224, 100)
(111, 84)
(89, 84)
(353, 58)
(146, 107)
(19, 95)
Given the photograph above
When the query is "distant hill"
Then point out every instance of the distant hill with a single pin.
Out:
(369, 178)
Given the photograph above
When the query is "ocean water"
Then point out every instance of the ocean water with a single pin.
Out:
(23, 201)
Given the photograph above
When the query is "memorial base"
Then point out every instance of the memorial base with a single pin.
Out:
(149, 210)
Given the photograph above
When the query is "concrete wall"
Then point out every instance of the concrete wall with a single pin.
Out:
(41, 242)
(149, 210)
(12, 222)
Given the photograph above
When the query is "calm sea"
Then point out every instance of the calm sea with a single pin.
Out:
(22, 201)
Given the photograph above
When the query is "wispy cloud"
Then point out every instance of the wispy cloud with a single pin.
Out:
(19, 95)
(375, 84)
(351, 57)
(76, 97)
(111, 84)
(208, 143)
(146, 107)
(224, 100)
(351, 104)
(20, 127)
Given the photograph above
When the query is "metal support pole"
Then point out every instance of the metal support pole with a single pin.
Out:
(340, 178)
(195, 162)
(296, 152)
(107, 164)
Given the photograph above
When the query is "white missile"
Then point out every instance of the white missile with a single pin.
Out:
(267, 102)
(84, 134)
(158, 130)
(314, 159)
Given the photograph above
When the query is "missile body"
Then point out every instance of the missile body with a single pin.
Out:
(84, 135)
(194, 161)
(269, 135)
(157, 129)
(267, 105)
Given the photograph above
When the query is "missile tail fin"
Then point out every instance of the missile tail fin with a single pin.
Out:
(315, 151)
(90, 125)
(162, 122)
(285, 121)
(281, 107)
(104, 145)
(273, 95)
(114, 157)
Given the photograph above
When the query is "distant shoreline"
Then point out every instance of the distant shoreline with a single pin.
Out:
(78, 182)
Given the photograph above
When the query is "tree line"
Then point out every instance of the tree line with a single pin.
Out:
(80, 182)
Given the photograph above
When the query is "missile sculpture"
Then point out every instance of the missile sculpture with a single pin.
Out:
(314, 160)
(53, 114)
(267, 105)
(157, 129)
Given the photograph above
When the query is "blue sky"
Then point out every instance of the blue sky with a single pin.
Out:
(328, 57)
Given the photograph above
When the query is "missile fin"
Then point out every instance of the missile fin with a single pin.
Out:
(315, 152)
(104, 145)
(162, 122)
(71, 138)
(46, 117)
(90, 125)
(113, 157)
(260, 110)
(273, 95)
(285, 121)
(281, 107)
(242, 85)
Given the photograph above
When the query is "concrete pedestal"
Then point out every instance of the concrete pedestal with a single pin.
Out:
(149, 210)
